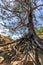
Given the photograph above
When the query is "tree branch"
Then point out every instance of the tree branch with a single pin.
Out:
(37, 6)
(13, 11)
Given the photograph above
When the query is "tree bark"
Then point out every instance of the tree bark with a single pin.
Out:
(31, 28)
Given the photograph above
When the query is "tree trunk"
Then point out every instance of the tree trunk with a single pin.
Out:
(30, 25)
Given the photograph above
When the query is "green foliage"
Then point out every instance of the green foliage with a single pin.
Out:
(39, 31)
